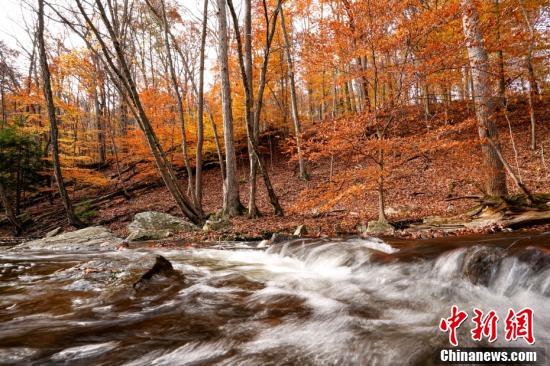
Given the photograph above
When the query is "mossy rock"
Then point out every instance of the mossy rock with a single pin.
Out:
(152, 225)
(380, 228)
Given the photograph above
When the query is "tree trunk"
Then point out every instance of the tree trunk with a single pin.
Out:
(495, 178)
(500, 54)
(200, 111)
(294, 101)
(271, 26)
(533, 87)
(217, 143)
(231, 201)
(179, 100)
(252, 128)
(98, 110)
(12, 217)
(249, 109)
(48, 95)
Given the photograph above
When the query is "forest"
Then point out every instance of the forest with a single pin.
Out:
(274, 182)
(248, 118)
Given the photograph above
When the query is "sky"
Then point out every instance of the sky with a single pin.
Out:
(12, 22)
(15, 15)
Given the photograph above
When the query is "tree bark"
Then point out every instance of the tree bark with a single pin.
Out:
(532, 81)
(500, 54)
(495, 178)
(179, 100)
(48, 95)
(249, 108)
(294, 101)
(231, 201)
(252, 128)
(98, 111)
(200, 110)
(10, 214)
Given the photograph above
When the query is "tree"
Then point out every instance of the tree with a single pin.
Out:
(232, 205)
(54, 133)
(254, 110)
(495, 181)
(21, 169)
(294, 101)
(200, 108)
(179, 99)
(115, 60)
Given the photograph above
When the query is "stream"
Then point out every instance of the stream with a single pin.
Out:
(303, 302)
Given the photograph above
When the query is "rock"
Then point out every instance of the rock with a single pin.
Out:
(216, 224)
(362, 229)
(300, 231)
(120, 276)
(278, 238)
(263, 244)
(380, 228)
(91, 238)
(58, 230)
(537, 260)
(152, 225)
(161, 268)
(481, 263)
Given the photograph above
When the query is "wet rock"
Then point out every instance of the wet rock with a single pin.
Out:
(300, 231)
(379, 228)
(152, 225)
(161, 268)
(119, 277)
(91, 238)
(99, 275)
(235, 280)
(263, 244)
(216, 224)
(278, 238)
(537, 260)
(58, 230)
(481, 263)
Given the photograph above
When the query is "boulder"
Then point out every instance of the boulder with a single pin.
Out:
(152, 225)
(481, 263)
(379, 228)
(162, 268)
(89, 239)
(300, 231)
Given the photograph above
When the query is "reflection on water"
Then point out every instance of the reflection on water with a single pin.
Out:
(328, 302)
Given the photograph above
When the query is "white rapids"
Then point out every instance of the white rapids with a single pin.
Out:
(342, 302)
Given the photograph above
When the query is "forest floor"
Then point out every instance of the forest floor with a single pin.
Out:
(429, 187)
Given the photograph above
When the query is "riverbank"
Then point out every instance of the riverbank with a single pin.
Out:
(432, 187)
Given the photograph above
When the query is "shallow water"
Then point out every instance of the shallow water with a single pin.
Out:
(324, 302)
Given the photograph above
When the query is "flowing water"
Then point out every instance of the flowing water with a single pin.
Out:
(304, 302)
